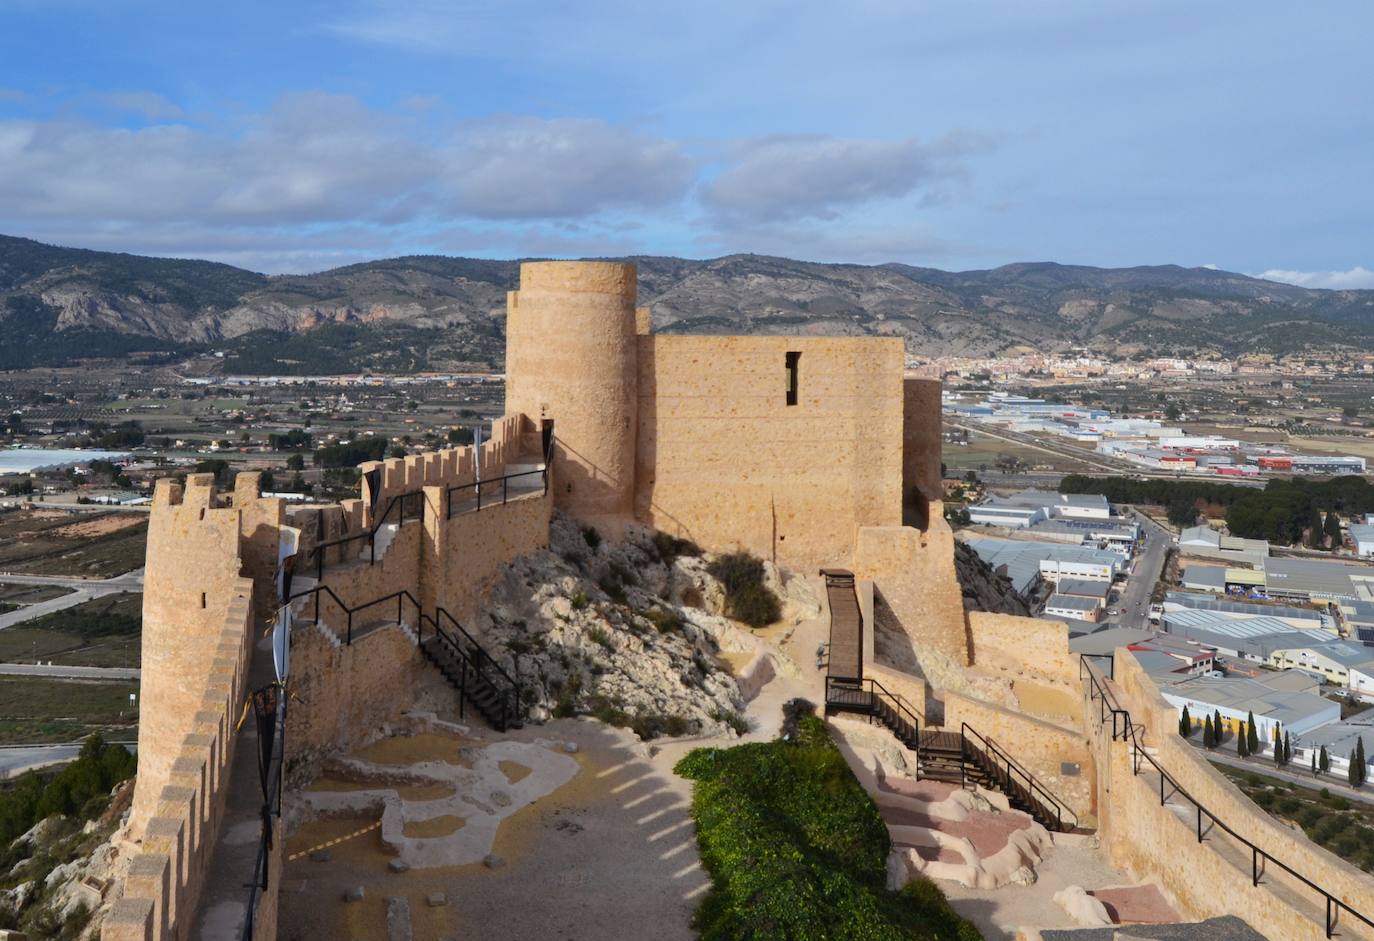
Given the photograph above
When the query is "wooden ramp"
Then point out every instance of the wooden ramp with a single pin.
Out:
(846, 661)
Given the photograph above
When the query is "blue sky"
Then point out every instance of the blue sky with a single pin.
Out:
(298, 136)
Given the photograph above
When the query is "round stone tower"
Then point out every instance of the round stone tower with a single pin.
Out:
(571, 358)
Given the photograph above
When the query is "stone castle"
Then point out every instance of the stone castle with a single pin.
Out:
(276, 636)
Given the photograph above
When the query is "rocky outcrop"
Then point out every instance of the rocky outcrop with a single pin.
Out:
(985, 589)
(630, 632)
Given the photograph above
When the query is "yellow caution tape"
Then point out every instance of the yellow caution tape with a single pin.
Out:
(334, 842)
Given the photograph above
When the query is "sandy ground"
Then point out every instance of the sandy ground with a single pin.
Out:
(100, 526)
(612, 847)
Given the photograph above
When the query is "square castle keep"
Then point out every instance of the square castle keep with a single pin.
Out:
(811, 452)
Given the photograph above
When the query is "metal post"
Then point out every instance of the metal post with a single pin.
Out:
(1199, 823)
(399, 598)
(350, 628)
(1328, 916)
(1254, 865)
(505, 482)
(478, 485)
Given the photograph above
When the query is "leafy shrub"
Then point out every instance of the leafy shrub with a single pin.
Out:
(650, 725)
(578, 600)
(747, 598)
(670, 548)
(598, 634)
(733, 719)
(796, 849)
(592, 537)
(97, 769)
(614, 589)
(664, 619)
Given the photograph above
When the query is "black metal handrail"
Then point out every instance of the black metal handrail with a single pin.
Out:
(1106, 703)
(475, 656)
(397, 502)
(846, 693)
(1334, 905)
(400, 597)
(1032, 786)
(504, 482)
(271, 809)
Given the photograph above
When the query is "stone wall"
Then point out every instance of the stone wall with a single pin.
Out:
(922, 442)
(725, 461)
(570, 357)
(343, 694)
(913, 575)
(1059, 758)
(192, 574)
(167, 875)
(1211, 877)
(1022, 648)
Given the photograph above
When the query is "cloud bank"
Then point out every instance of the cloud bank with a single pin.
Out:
(1355, 278)
(316, 172)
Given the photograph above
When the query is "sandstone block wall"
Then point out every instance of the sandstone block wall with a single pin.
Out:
(570, 356)
(922, 443)
(192, 575)
(724, 460)
(1023, 648)
(1212, 877)
(1042, 748)
(178, 837)
(913, 574)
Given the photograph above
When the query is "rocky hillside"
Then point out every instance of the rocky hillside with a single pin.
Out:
(118, 303)
(631, 632)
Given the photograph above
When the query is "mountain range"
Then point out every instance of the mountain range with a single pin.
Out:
(58, 305)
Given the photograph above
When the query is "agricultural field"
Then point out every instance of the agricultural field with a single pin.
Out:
(983, 451)
(41, 541)
(1343, 826)
(105, 632)
(38, 710)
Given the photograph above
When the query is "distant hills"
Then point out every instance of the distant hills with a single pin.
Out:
(61, 304)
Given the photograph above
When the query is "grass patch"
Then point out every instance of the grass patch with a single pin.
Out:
(796, 849)
(747, 598)
(665, 620)
(598, 635)
(39, 709)
(105, 632)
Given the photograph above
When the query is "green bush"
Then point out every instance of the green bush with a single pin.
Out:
(33, 797)
(747, 598)
(591, 536)
(664, 619)
(797, 850)
(670, 548)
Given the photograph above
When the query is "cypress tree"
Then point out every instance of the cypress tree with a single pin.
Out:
(1242, 741)
(1323, 761)
(1314, 529)
(1287, 747)
(1278, 748)
(1218, 730)
(1360, 760)
(1352, 773)
(1314, 763)
(1252, 745)
(1185, 723)
(1208, 736)
(1333, 528)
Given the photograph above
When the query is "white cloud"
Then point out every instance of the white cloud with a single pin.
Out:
(150, 105)
(318, 158)
(1357, 277)
(799, 177)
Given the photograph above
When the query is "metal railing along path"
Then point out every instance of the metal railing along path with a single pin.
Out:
(1010, 769)
(400, 597)
(1259, 859)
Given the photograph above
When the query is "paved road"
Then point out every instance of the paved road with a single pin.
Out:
(59, 671)
(1149, 562)
(16, 759)
(1299, 775)
(84, 589)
